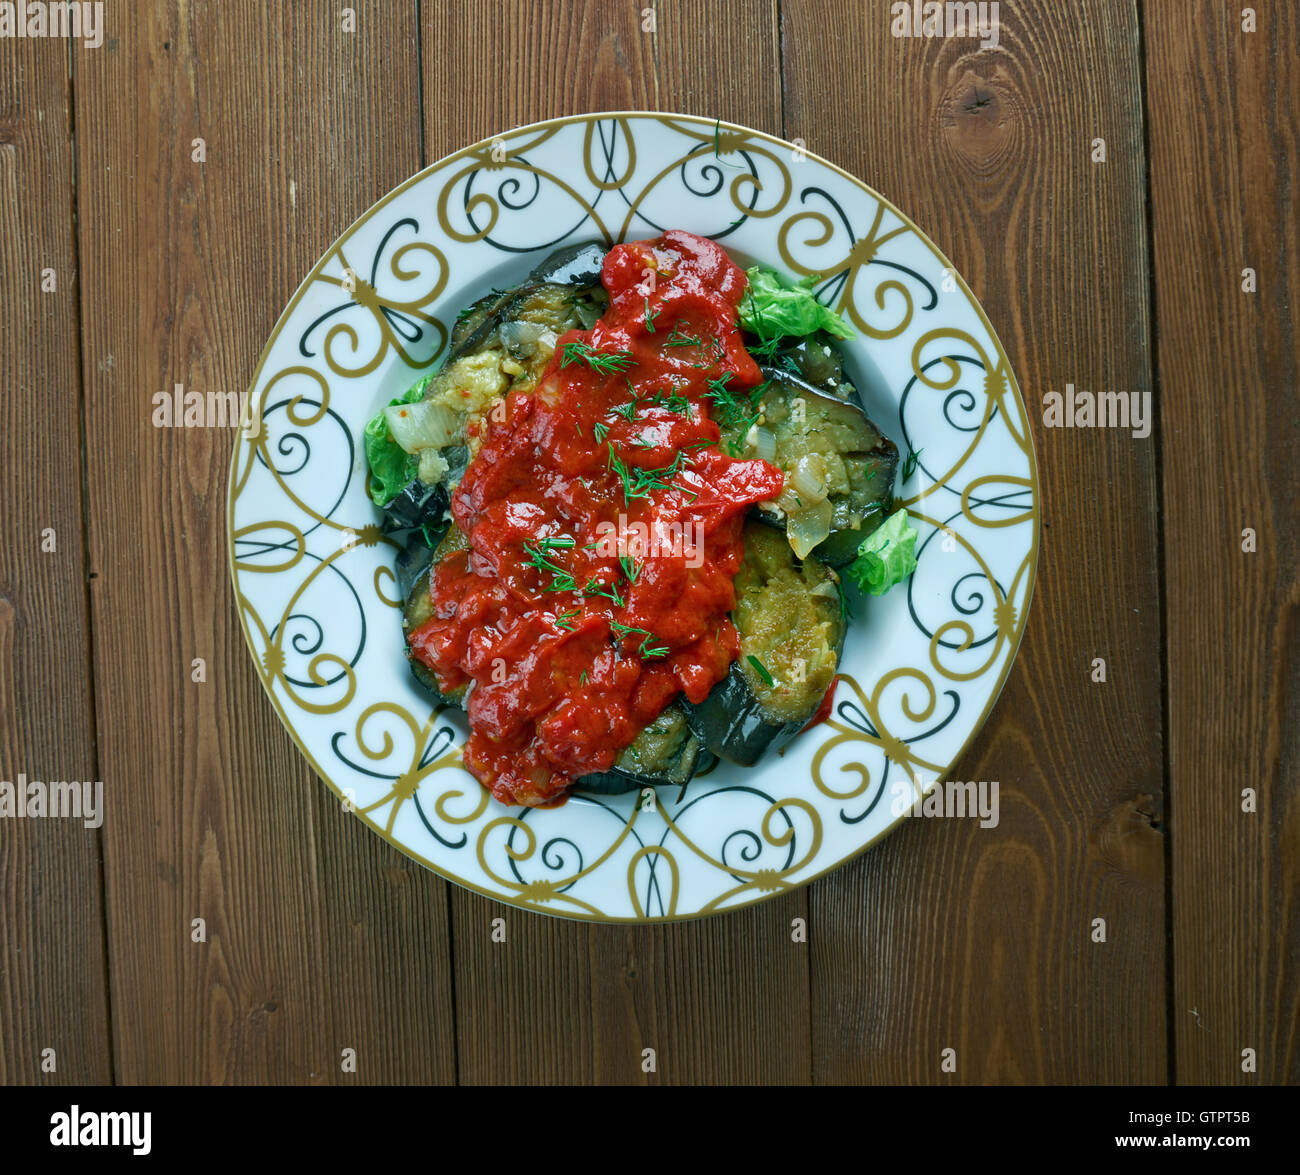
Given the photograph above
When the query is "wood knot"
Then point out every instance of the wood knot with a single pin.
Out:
(981, 120)
(11, 127)
(1131, 838)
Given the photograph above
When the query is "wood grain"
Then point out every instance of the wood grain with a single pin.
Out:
(949, 935)
(53, 993)
(1225, 168)
(319, 937)
(726, 999)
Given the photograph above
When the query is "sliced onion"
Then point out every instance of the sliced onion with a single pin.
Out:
(422, 426)
(519, 335)
(809, 479)
(763, 442)
(517, 331)
(808, 528)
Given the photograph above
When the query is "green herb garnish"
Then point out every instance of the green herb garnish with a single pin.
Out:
(736, 414)
(672, 401)
(761, 670)
(913, 459)
(646, 650)
(602, 362)
(596, 588)
(638, 483)
(561, 580)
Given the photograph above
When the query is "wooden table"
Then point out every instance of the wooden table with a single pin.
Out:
(1121, 800)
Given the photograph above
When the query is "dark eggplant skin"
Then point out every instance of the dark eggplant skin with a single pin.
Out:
(673, 768)
(733, 721)
(574, 265)
(416, 520)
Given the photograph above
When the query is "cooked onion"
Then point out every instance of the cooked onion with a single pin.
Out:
(422, 426)
(763, 442)
(525, 336)
(787, 501)
(808, 528)
(518, 331)
(809, 479)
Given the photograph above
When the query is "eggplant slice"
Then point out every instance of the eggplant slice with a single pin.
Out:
(665, 754)
(791, 622)
(817, 359)
(839, 467)
(560, 294)
(419, 607)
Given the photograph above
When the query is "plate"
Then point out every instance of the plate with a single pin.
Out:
(313, 575)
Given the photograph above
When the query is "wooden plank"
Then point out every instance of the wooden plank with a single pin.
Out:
(319, 937)
(1225, 166)
(53, 989)
(948, 935)
(725, 999)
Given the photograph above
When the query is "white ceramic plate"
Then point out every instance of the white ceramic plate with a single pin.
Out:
(923, 665)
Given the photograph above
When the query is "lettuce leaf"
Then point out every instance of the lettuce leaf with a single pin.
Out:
(391, 467)
(771, 309)
(886, 556)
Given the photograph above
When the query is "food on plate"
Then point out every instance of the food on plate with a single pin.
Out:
(792, 625)
(841, 469)
(620, 505)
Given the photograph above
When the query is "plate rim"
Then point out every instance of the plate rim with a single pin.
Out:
(759, 896)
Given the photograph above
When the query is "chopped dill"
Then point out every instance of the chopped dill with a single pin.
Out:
(596, 588)
(646, 651)
(561, 580)
(679, 338)
(601, 362)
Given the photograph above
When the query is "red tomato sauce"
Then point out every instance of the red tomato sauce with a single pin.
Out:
(571, 649)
